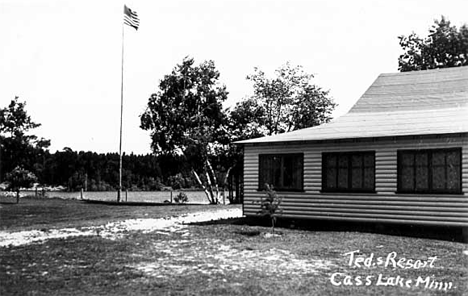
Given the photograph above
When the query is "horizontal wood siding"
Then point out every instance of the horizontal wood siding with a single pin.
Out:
(385, 170)
(383, 206)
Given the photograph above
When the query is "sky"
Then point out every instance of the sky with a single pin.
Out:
(63, 57)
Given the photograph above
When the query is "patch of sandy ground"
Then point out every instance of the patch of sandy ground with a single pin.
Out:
(212, 256)
(187, 254)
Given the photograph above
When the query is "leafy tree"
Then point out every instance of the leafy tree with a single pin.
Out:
(186, 118)
(444, 47)
(17, 146)
(281, 104)
(18, 178)
(284, 103)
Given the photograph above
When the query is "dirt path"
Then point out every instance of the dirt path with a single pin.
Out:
(115, 230)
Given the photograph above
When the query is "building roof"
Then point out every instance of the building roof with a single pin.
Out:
(398, 104)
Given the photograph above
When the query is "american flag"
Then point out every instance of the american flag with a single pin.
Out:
(131, 18)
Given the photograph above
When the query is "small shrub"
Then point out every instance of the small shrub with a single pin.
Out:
(181, 198)
(270, 205)
(18, 178)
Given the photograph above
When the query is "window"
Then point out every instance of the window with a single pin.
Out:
(429, 171)
(282, 171)
(348, 172)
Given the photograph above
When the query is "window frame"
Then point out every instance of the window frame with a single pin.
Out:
(349, 189)
(261, 186)
(430, 189)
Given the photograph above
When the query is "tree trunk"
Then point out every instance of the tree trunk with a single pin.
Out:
(273, 219)
(213, 175)
(278, 118)
(230, 188)
(202, 185)
(225, 183)
(210, 187)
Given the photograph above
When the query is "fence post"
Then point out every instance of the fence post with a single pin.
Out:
(81, 193)
(35, 192)
(171, 196)
(126, 194)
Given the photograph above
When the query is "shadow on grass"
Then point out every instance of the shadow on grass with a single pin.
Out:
(138, 203)
(8, 203)
(446, 233)
(8, 200)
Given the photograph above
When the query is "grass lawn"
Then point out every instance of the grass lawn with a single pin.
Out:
(229, 258)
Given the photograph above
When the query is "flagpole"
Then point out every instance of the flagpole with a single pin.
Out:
(131, 19)
(119, 193)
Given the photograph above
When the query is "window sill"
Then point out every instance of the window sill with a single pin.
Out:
(283, 190)
(429, 193)
(349, 191)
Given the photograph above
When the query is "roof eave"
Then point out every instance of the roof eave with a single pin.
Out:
(350, 140)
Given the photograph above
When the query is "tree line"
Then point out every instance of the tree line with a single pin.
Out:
(90, 171)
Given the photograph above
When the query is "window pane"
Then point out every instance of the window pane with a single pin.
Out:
(269, 174)
(288, 169)
(453, 178)
(277, 172)
(369, 160)
(356, 178)
(265, 174)
(453, 168)
(421, 159)
(268, 171)
(356, 160)
(422, 178)
(369, 178)
(356, 171)
(343, 161)
(330, 163)
(343, 171)
(331, 178)
(407, 158)
(438, 177)
(407, 178)
(343, 178)
(438, 158)
(331, 160)
(453, 158)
